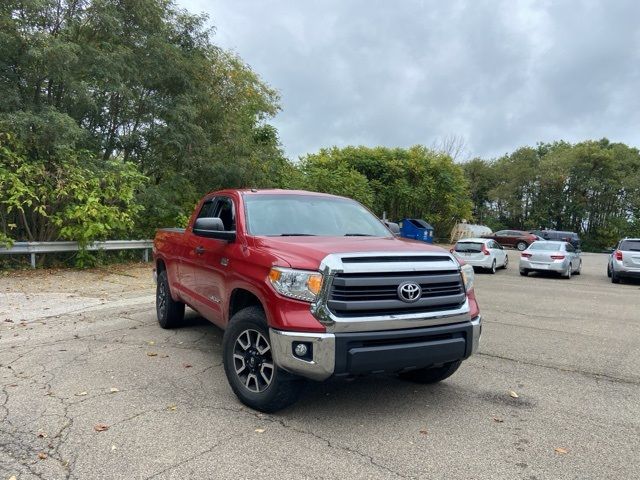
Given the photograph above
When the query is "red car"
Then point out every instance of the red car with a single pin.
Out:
(309, 285)
(513, 238)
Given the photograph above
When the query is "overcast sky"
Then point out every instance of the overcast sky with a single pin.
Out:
(499, 74)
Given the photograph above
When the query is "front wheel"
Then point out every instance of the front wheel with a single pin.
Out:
(521, 246)
(249, 365)
(431, 375)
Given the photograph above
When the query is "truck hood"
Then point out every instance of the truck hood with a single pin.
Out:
(307, 252)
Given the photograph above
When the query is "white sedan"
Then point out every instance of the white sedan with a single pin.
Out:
(481, 252)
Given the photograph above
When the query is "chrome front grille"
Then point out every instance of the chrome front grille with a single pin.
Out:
(361, 294)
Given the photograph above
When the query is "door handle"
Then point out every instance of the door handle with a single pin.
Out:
(199, 250)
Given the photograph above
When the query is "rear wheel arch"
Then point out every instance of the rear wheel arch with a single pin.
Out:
(160, 266)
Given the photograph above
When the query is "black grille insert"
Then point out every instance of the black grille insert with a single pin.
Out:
(361, 294)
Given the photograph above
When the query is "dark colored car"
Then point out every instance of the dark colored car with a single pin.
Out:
(513, 238)
(560, 236)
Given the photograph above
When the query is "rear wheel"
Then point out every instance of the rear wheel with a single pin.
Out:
(431, 375)
(493, 267)
(170, 312)
(506, 261)
(522, 246)
(567, 274)
(579, 271)
(524, 273)
(609, 270)
(615, 278)
(249, 365)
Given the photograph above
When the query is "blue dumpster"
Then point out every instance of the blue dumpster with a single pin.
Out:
(416, 229)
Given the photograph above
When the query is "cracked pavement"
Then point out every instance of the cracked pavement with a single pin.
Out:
(81, 348)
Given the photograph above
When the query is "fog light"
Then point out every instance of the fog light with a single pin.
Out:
(301, 350)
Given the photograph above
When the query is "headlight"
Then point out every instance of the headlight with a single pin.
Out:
(468, 277)
(298, 284)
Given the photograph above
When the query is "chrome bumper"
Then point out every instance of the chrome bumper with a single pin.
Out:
(322, 364)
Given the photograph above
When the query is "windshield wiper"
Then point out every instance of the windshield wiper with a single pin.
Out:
(297, 235)
(358, 235)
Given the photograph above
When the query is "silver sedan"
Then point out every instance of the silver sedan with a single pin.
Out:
(544, 256)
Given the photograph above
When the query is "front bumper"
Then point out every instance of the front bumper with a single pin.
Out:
(353, 353)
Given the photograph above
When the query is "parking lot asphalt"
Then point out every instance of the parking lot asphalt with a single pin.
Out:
(92, 388)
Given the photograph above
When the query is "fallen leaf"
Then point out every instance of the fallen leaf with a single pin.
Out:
(113, 447)
(81, 394)
(513, 394)
(498, 420)
(42, 456)
(152, 354)
(187, 365)
(101, 427)
(113, 390)
(259, 430)
(172, 407)
(561, 451)
(151, 343)
(164, 355)
(13, 477)
(424, 431)
(42, 435)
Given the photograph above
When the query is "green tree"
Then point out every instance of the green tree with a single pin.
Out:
(135, 81)
(414, 182)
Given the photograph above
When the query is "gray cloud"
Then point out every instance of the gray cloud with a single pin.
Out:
(500, 74)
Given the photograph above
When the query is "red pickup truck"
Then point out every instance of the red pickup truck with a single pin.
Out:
(310, 286)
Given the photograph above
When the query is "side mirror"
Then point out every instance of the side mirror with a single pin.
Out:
(212, 227)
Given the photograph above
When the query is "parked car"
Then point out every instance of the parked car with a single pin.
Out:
(309, 285)
(549, 256)
(624, 261)
(482, 253)
(571, 237)
(513, 238)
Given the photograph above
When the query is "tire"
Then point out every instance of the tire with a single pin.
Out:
(567, 275)
(506, 262)
(524, 273)
(169, 312)
(492, 270)
(579, 271)
(614, 277)
(247, 356)
(521, 246)
(431, 375)
(609, 270)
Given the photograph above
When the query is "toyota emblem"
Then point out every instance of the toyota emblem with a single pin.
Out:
(409, 292)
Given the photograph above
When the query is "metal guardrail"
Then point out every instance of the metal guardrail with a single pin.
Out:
(33, 248)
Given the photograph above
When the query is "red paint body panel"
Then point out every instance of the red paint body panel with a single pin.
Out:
(205, 284)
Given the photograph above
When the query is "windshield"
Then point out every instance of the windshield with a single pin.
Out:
(291, 215)
(548, 246)
(630, 245)
(468, 247)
